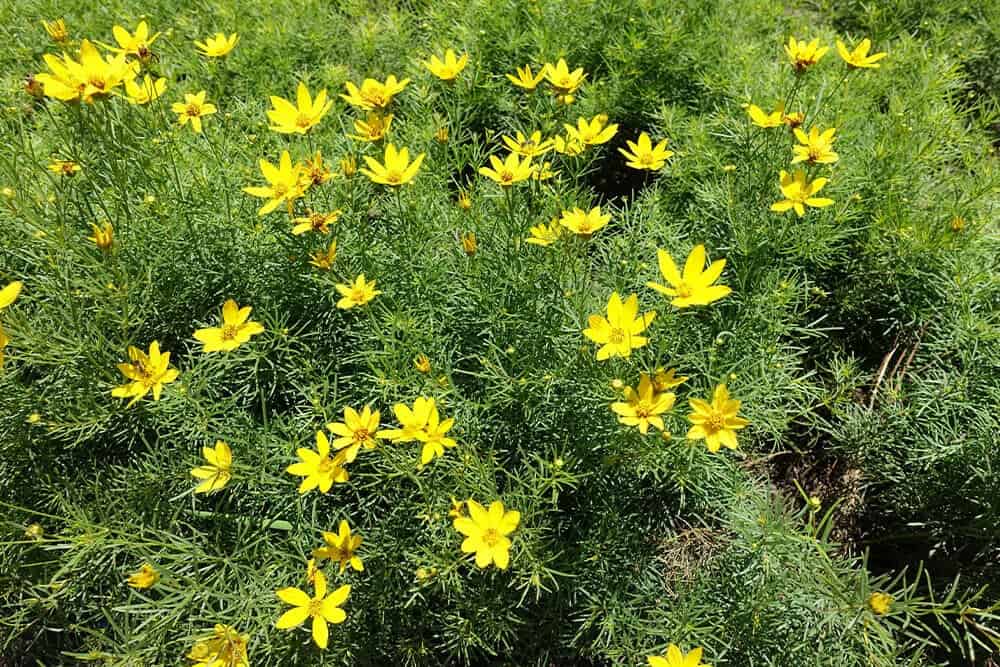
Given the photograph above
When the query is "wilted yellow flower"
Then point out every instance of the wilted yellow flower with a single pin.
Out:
(859, 58)
(64, 167)
(236, 329)
(217, 470)
(643, 405)
(217, 45)
(34, 532)
(145, 577)
(56, 30)
(103, 237)
(532, 146)
(422, 363)
(676, 658)
(145, 92)
(584, 223)
(225, 648)
(449, 68)
(316, 222)
(397, 169)
(356, 431)
(815, 147)
(880, 603)
(794, 119)
(284, 183)
(147, 372)
(642, 154)
(803, 55)
(298, 118)
(33, 86)
(667, 379)
(591, 132)
(508, 172)
(464, 200)
(717, 422)
(348, 166)
(316, 468)
(314, 172)
(373, 94)
(322, 608)
(563, 80)
(545, 234)
(486, 533)
(373, 128)
(341, 547)
(957, 223)
(441, 134)
(136, 44)
(618, 334)
(193, 109)
(694, 287)
(324, 259)
(469, 243)
(525, 79)
(798, 192)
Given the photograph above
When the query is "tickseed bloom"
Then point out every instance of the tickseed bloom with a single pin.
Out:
(356, 294)
(794, 119)
(136, 44)
(284, 184)
(356, 431)
(859, 58)
(373, 94)
(469, 243)
(217, 471)
(584, 223)
(591, 132)
(422, 363)
(90, 77)
(815, 147)
(880, 603)
(761, 118)
(433, 436)
(193, 109)
(145, 577)
(618, 334)
(397, 169)
(449, 68)
(341, 547)
(676, 658)
(225, 648)
(104, 236)
(542, 171)
(412, 421)
(524, 79)
(324, 259)
(568, 145)
(145, 92)
(298, 118)
(532, 146)
(643, 155)
(562, 80)
(373, 128)
(316, 468)
(10, 293)
(315, 222)
(694, 287)
(322, 608)
(147, 372)
(314, 172)
(64, 167)
(664, 380)
(236, 329)
(717, 422)
(464, 200)
(486, 533)
(803, 55)
(643, 406)
(799, 192)
(545, 234)
(508, 172)
(56, 30)
(217, 45)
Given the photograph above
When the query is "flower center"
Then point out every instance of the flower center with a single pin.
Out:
(230, 331)
(303, 120)
(643, 409)
(97, 82)
(315, 607)
(361, 435)
(193, 110)
(684, 290)
(280, 190)
(358, 295)
(646, 158)
(491, 537)
(394, 176)
(326, 466)
(507, 176)
(617, 336)
(715, 423)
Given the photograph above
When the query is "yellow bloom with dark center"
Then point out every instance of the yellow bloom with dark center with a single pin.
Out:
(584, 223)
(356, 431)
(434, 436)
(104, 236)
(145, 92)
(356, 294)
(643, 405)
(508, 172)
(760, 118)
(532, 146)
(315, 222)
(217, 45)
(396, 169)
(642, 154)
(373, 94)
(64, 167)
(324, 259)
(373, 128)
(146, 372)
(321, 608)
(193, 109)
(674, 657)
(815, 147)
(298, 118)
(133, 44)
(591, 132)
(859, 58)
(664, 380)
(695, 286)
(56, 30)
(449, 68)
(486, 533)
(225, 648)
(803, 55)
(90, 77)
(236, 329)
(315, 172)
(545, 234)
(145, 577)
(317, 468)
(217, 471)
(524, 78)
(412, 421)
(880, 603)
(800, 192)
(562, 79)
(341, 547)
(284, 184)
(717, 422)
(619, 333)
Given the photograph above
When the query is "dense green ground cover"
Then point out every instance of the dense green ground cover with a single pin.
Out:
(863, 340)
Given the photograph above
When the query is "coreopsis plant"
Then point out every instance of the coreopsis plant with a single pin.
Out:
(89, 78)
(64, 167)
(358, 293)
(643, 405)
(717, 422)
(317, 468)
(449, 67)
(859, 58)
(545, 234)
(145, 91)
(218, 45)
(284, 184)
(412, 421)
(320, 607)
(341, 548)
(373, 94)
(800, 192)
(357, 430)
(373, 128)
(667, 379)
(237, 328)
(300, 117)
(508, 172)
(815, 147)
(620, 332)
(674, 657)
(324, 259)
(225, 647)
(591, 132)
(761, 118)
(434, 436)
(568, 145)
(145, 577)
(193, 109)
(217, 470)
(486, 533)
(146, 373)
(56, 30)
(585, 223)
(528, 146)
(133, 44)
(694, 287)
(315, 222)
(314, 171)
(803, 55)
(395, 170)
(9, 293)
(563, 81)
(103, 236)
(642, 154)
(524, 79)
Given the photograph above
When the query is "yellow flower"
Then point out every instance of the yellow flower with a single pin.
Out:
(532, 146)
(10, 293)
(859, 58)
(676, 658)
(644, 155)
(284, 184)
(667, 379)
(217, 471)
(34, 532)
(449, 68)
(412, 421)
(235, 329)
(592, 132)
(341, 547)
(348, 166)
(4, 342)
(316, 468)
(298, 118)
(762, 119)
(373, 94)
(456, 508)
(880, 603)
(92, 76)
(422, 363)
(217, 45)
(469, 243)
(583, 222)
(133, 44)
(64, 167)
(147, 372)
(957, 224)
(794, 119)
(373, 128)
(799, 192)
(56, 30)
(562, 79)
(356, 294)
(643, 406)
(324, 259)
(486, 533)
(397, 169)
(322, 608)
(618, 334)
(508, 172)
(525, 79)
(225, 648)
(694, 287)
(717, 422)
(147, 92)
(568, 146)
(545, 234)
(803, 55)
(192, 109)
(103, 237)
(145, 577)
(356, 431)
(314, 172)
(815, 147)
(464, 200)
(542, 171)
(316, 222)
(433, 436)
